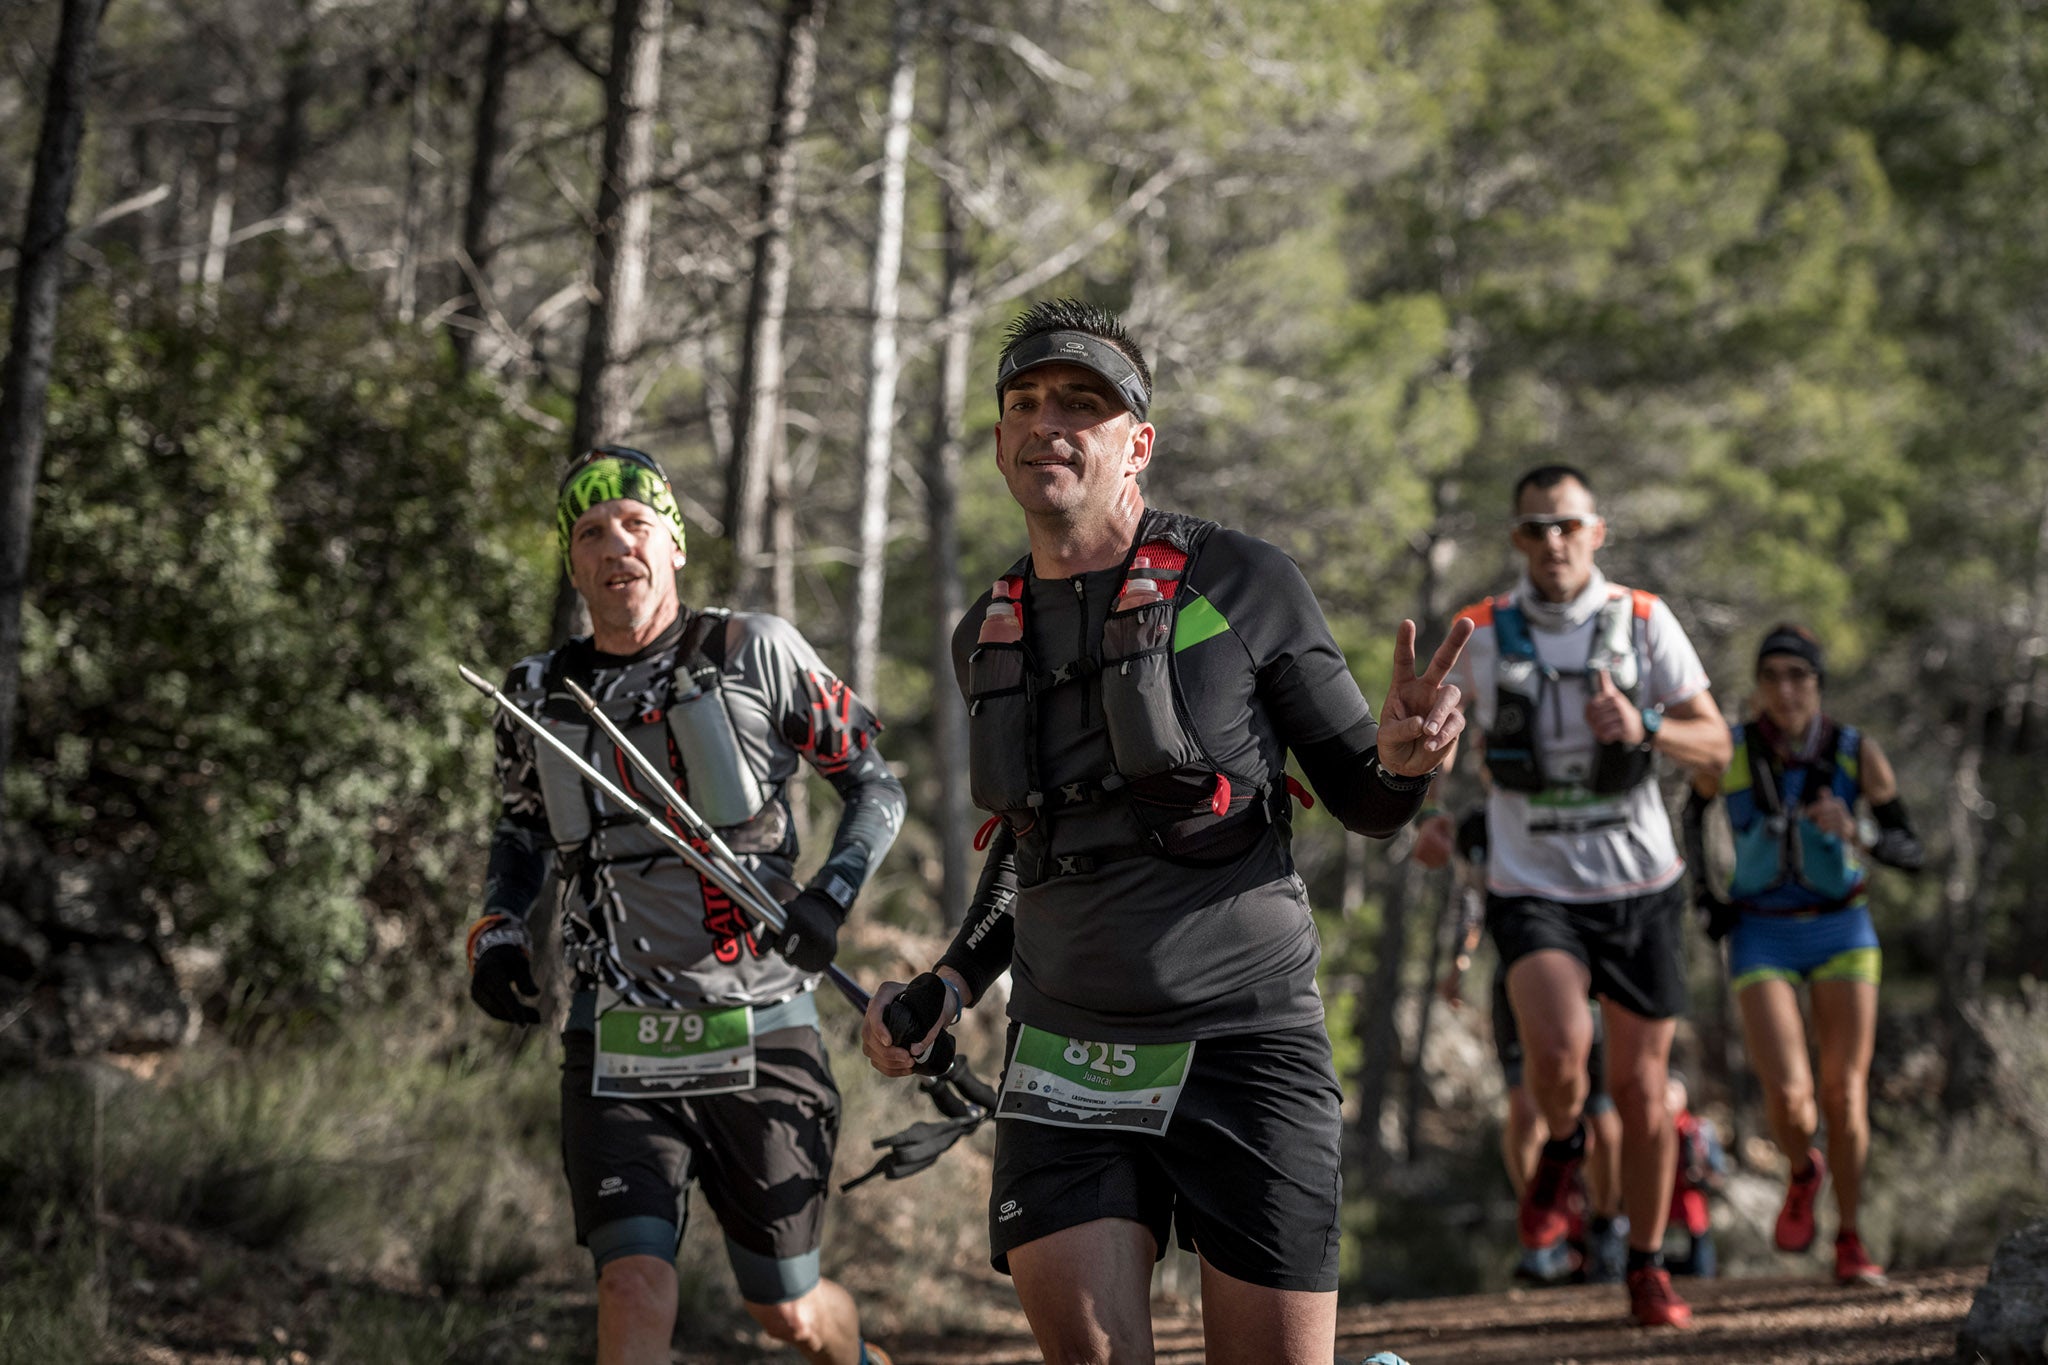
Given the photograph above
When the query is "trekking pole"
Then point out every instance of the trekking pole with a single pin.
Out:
(940, 1061)
(746, 892)
(670, 797)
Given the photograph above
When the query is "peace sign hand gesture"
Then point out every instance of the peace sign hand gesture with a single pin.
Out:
(1421, 719)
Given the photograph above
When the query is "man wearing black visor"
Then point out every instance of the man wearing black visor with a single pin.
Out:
(1135, 684)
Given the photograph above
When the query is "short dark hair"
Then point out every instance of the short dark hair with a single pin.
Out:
(1076, 315)
(1547, 476)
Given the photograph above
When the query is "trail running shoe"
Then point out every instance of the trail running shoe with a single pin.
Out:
(1607, 1251)
(1853, 1264)
(1546, 1265)
(1653, 1302)
(1543, 1217)
(1795, 1220)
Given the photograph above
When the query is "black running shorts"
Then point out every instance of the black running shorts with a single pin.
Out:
(1632, 946)
(763, 1156)
(1247, 1171)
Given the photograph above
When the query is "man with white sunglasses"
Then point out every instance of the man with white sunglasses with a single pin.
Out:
(1576, 685)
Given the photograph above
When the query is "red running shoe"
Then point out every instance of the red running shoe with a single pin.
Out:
(1653, 1302)
(1795, 1220)
(1544, 1217)
(1853, 1264)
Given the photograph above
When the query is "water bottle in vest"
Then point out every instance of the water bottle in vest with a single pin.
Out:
(1001, 624)
(723, 788)
(1140, 589)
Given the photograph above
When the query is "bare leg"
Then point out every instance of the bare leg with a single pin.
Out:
(636, 1311)
(1638, 1053)
(1845, 1034)
(822, 1324)
(1775, 1037)
(1246, 1324)
(1521, 1141)
(1603, 1163)
(1548, 991)
(1086, 1291)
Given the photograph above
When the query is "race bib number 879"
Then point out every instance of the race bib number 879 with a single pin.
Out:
(1079, 1083)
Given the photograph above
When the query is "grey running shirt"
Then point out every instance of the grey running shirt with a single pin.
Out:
(635, 917)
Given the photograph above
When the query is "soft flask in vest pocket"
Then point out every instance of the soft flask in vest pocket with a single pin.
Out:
(1511, 743)
(1145, 731)
(723, 787)
(999, 702)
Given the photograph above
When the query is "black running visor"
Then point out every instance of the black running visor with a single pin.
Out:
(1075, 348)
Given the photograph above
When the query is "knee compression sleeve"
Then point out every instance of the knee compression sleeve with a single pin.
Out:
(638, 1236)
(771, 1279)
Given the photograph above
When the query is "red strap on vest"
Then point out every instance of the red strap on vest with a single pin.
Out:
(1163, 565)
(1300, 793)
(1219, 801)
(986, 832)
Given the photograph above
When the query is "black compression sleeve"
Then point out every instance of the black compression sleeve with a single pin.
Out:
(517, 870)
(1344, 772)
(980, 952)
(1897, 845)
(867, 826)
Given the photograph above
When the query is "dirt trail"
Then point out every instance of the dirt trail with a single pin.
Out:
(1741, 1322)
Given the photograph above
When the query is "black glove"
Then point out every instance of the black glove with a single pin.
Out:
(1717, 916)
(501, 970)
(910, 1016)
(810, 934)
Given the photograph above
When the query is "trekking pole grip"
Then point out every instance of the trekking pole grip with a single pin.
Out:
(911, 1015)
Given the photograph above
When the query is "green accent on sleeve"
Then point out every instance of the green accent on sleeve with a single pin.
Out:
(1197, 621)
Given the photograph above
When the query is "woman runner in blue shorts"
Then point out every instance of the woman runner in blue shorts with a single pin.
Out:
(1801, 914)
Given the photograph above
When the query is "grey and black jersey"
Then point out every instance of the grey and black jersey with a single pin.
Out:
(635, 917)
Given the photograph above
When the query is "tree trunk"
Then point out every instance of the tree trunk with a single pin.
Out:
(220, 225)
(484, 184)
(1416, 1092)
(1379, 1026)
(758, 434)
(299, 52)
(411, 224)
(1962, 965)
(942, 514)
(878, 427)
(1379, 1032)
(25, 377)
(625, 209)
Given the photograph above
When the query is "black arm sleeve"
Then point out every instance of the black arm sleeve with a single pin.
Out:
(1344, 772)
(517, 870)
(867, 825)
(980, 952)
(1897, 845)
(522, 850)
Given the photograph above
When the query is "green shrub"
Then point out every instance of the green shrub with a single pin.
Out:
(262, 544)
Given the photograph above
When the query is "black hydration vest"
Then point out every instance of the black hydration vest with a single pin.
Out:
(1514, 755)
(1181, 804)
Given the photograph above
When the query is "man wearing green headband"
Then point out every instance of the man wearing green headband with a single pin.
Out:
(693, 1055)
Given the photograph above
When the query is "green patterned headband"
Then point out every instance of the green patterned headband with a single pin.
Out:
(609, 473)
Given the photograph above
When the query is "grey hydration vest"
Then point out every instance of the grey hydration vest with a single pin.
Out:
(688, 732)
(1514, 754)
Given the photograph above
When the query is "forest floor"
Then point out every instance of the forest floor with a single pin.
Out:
(295, 1320)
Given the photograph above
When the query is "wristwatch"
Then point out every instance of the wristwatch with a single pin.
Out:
(1653, 721)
